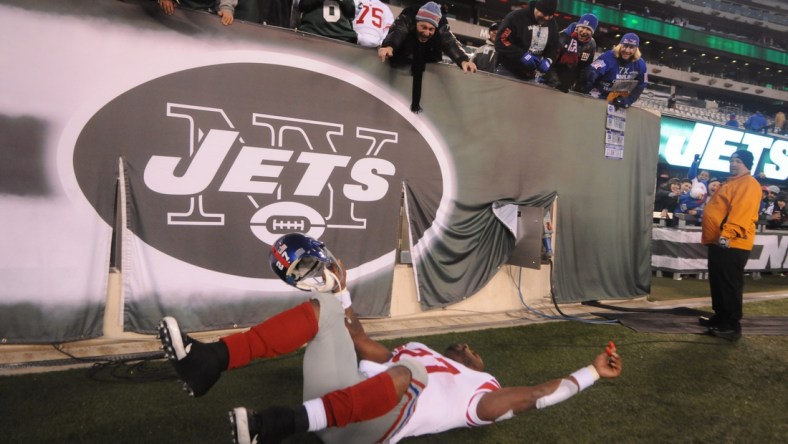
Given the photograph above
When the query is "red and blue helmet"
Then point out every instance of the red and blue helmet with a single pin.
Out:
(304, 263)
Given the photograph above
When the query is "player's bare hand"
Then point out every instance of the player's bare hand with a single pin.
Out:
(168, 6)
(608, 364)
(385, 53)
(227, 17)
(468, 66)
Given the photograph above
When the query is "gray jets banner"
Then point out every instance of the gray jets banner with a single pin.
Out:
(680, 250)
(216, 140)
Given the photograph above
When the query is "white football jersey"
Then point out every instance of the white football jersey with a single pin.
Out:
(372, 22)
(443, 405)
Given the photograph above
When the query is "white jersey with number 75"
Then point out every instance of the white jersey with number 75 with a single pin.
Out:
(372, 22)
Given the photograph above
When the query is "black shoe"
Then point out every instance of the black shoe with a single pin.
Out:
(198, 364)
(708, 321)
(725, 333)
(272, 425)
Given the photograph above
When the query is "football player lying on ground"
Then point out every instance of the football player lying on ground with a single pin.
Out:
(386, 396)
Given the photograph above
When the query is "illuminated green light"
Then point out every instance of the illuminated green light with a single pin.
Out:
(657, 27)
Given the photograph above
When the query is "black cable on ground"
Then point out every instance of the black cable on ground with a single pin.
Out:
(132, 371)
(138, 368)
(563, 316)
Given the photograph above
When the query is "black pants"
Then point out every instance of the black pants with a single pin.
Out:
(726, 280)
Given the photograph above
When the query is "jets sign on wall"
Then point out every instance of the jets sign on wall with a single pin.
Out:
(224, 159)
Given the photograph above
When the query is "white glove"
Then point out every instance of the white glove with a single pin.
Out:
(723, 242)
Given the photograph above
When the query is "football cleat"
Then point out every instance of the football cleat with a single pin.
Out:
(198, 364)
(272, 425)
(245, 426)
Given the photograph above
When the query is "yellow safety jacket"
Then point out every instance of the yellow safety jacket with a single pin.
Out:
(732, 212)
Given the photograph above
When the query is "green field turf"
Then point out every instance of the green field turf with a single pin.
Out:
(674, 389)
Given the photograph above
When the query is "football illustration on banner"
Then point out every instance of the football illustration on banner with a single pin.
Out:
(278, 218)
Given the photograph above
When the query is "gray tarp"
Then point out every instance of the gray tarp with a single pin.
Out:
(522, 143)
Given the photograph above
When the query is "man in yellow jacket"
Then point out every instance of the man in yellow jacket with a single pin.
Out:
(729, 233)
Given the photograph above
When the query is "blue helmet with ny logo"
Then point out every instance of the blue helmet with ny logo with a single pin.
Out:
(305, 263)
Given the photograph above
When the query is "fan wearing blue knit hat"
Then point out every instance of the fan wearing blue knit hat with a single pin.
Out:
(728, 232)
(576, 52)
(619, 75)
(421, 35)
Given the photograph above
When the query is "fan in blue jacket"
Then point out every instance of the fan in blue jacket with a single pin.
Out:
(618, 75)
(757, 122)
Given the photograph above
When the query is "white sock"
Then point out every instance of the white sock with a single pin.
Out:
(316, 413)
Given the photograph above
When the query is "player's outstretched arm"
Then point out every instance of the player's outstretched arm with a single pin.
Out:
(508, 401)
(366, 347)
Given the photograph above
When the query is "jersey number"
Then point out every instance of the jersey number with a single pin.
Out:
(377, 16)
(444, 367)
(331, 12)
